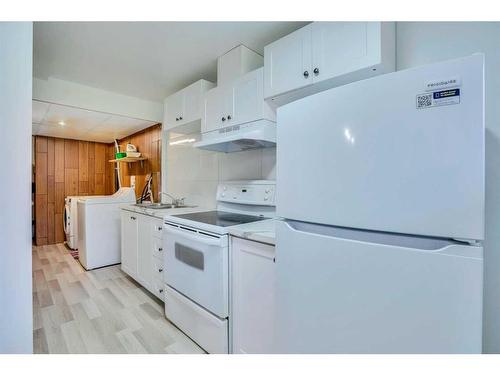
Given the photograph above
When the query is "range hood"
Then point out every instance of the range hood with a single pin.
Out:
(249, 136)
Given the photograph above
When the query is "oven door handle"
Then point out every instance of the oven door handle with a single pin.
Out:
(197, 238)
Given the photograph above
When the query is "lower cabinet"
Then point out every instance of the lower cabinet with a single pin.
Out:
(129, 242)
(142, 252)
(252, 296)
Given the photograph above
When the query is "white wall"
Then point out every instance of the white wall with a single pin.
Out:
(422, 43)
(16, 318)
(193, 173)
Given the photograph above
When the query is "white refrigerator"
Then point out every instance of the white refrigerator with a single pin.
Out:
(380, 195)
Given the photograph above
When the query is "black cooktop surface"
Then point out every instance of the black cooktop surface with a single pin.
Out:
(220, 218)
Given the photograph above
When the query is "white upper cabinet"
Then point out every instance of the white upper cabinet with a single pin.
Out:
(323, 55)
(288, 62)
(183, 109)
(193, 101)
(236, 103)
(236, 63)
(247, 98)
(174, 108)
(218, 104)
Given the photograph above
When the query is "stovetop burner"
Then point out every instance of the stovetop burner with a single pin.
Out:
(220, 218)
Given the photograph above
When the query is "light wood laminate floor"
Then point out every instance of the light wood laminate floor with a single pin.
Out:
(99, 311)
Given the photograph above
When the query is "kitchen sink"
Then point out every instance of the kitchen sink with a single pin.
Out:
(159, 206)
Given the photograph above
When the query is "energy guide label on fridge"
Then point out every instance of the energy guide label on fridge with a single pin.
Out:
(438, 98)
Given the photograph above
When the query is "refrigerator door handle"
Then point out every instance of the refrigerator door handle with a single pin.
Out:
(410, 242)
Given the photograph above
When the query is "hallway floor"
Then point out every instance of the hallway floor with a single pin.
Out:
(100, 311)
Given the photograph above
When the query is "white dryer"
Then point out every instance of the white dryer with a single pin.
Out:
(99, 228)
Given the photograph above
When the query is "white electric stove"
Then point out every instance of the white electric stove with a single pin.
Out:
(196, 260)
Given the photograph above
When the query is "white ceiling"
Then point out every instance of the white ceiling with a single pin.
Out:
(82, 124)
(148, 60)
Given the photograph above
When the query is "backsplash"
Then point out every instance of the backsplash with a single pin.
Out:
(195, 173)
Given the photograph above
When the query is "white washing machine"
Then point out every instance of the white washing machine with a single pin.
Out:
(99, 228)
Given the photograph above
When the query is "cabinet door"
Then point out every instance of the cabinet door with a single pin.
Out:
(145, 253)
(343, 47)
(229, 66)
(192, 103)
(287, 63)
(247, 98)
(129, 242)
(216, 109)
(174, 108)
(253, 277)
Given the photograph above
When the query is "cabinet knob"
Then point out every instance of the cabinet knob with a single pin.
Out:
(160, 249)
(177, 119)
(306, 74)
(133, 217)
(180, 118)
(316, 71)
(223, 119)
(161, 290)
(229, 117)
(160, 269)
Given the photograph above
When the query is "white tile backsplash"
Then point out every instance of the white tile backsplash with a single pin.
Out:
(209, 165)
(269, 163)
(195, 173)
(244, 165)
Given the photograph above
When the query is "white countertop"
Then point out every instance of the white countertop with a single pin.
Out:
(160, 213)
(261, 231)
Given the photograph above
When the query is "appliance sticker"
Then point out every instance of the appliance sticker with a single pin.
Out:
(438, 98)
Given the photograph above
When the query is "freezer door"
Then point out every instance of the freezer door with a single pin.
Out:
(373, 155)
(337, 292)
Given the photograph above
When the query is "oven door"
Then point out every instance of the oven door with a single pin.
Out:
(196, 265)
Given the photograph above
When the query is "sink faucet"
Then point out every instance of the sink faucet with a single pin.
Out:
(175, 201)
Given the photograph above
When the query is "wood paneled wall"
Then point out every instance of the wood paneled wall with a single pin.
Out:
(64, 167)
(68, 167)
(148, 142)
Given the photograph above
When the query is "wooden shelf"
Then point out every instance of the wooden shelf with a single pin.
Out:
(129, 160)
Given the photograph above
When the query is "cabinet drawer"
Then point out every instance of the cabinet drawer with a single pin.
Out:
(157, 248)
(158, 269)
(157, 228)
(158, 289)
